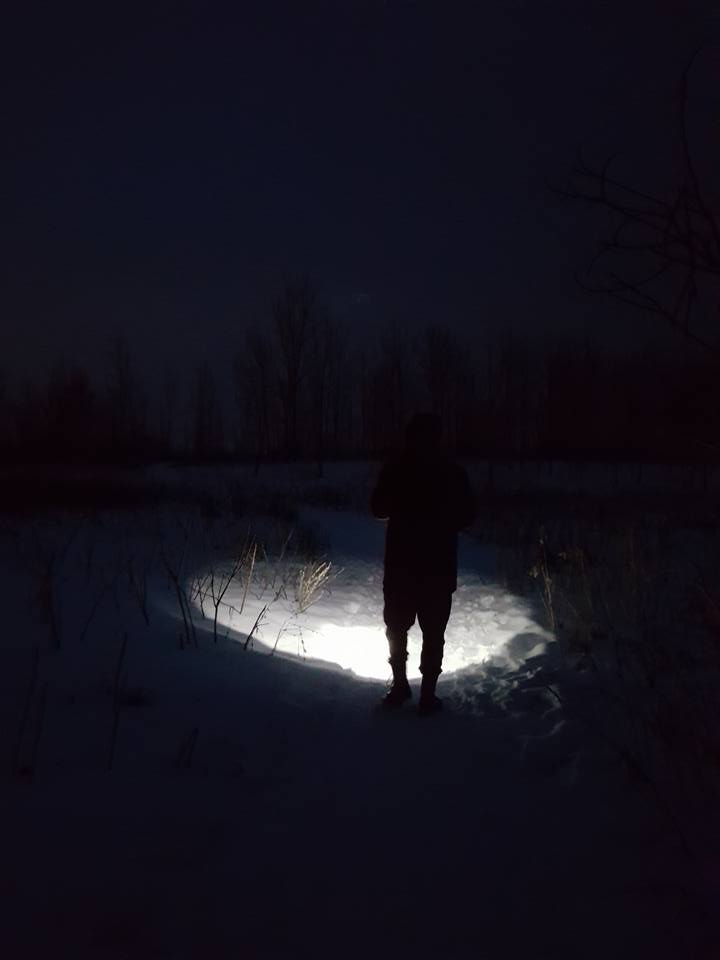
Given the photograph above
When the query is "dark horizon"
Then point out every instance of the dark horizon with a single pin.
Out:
(167, 175)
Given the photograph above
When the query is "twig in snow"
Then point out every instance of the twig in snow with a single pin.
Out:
(93, 610)
(187, 747)
(249, 577)
(26, 710)
(190, 635)
(116, 701)
(219, 589)
(280, 632)
(138, 588)
(38, 730)
(255, 626)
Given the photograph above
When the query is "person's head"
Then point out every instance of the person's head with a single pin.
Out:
(423, 434)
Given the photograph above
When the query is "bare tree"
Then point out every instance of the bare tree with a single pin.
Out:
(120, 392)
(468, 425)
(127, 402)
(253, 379)
(343, 394)
(660, 249)
(5, 422)
(365, 398)
(61, 417)
(169, 408)
(439, 358)
(393, 392)
(324, 359)
(207, 428)
(294, 315)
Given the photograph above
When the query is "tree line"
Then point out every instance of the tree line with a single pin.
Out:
(299, 389)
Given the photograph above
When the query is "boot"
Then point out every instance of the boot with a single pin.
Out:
(429, 703)
(400, 690)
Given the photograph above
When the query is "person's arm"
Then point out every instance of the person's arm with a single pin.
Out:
(465, 502)
(383, 498)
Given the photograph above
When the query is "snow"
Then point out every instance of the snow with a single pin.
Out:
(344, 626)
(352, 477)
(259, 805)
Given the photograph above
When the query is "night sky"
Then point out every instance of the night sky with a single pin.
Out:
(165, 169)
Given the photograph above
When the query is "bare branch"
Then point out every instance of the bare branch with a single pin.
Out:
(673, 242)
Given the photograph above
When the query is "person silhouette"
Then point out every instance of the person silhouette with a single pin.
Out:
(426, 498)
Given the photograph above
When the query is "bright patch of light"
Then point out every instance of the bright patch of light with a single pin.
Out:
(360, 649)
(344, 626)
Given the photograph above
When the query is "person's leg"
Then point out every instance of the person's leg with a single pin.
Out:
(433, 615)
(399, 616)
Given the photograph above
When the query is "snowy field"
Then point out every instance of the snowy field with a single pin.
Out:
(196, 765)
(506, 476)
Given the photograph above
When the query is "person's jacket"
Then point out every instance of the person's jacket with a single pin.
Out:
(426, 501)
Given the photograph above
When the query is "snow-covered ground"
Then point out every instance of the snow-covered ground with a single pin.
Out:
(344, 625)
(170, 795)
(505, 476)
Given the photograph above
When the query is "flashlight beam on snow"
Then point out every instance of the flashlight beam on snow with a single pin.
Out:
(344, 626)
